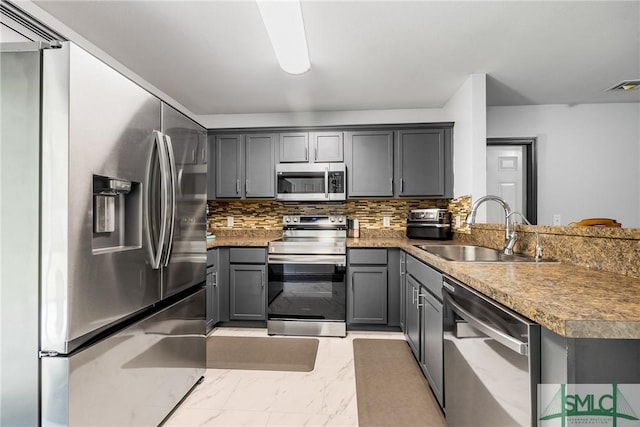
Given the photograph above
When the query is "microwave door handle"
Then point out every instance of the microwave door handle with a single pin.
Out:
(502, 338)
(326, 183)
(172, 180)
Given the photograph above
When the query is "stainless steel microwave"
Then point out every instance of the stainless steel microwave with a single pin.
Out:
(311, 182)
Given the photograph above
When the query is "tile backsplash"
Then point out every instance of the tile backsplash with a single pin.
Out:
(267, 214)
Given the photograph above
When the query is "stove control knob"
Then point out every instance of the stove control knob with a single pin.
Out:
(287, 219)
(295, 219)
(332, 218)
(340, 218)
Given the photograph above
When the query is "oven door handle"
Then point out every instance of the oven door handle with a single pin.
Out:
(508, 341)
(339, 260)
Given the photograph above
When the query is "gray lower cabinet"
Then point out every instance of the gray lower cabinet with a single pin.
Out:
(423, 321)
(213, 299)
(369, 160)
(367, 291)
(245, 166)
(431, 343)
(367, 295)
(247, 284)
(423, 163)
(402, 286)
(213, 293)
(412, 315)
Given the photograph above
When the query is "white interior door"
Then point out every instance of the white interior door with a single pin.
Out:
(506, 177)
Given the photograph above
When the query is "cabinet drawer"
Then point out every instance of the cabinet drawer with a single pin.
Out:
(427, 276)
(368, 256)
(247, 255)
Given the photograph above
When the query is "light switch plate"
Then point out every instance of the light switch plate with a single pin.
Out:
(229, 221)
(386, 221)
(557, 219)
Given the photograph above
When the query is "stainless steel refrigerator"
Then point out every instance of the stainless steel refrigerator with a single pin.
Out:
(103, 257)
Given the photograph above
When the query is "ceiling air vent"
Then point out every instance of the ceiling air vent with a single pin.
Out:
(626, 85)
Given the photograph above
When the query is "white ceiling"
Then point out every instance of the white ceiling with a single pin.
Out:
(214, 57)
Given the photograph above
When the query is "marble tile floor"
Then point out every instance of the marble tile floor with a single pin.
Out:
(325, 396)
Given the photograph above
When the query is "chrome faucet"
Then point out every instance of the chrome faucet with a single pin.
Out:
(509, 236)
(538, 251)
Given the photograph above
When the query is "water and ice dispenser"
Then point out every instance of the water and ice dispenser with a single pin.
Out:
(117, 214)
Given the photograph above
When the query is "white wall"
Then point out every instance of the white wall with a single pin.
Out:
(588, 158)
(467, 108)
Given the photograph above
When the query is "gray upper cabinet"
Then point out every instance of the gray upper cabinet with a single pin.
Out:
(229, 154)
(423, 163)
(260, 166)
(369, 160)
(311, 147)
(327, 146)
(245, 166)
(294, 147)
(211, 168)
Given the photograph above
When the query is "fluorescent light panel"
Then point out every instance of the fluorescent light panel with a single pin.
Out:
(283, 21)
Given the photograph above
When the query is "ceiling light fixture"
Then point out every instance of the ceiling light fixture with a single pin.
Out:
(283, 21)
(626, 85)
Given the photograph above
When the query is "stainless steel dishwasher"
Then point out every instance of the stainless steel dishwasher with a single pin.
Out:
(491, 361)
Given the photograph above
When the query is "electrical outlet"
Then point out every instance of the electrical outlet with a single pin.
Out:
(457, 221)
(557, 219)
(386, 221)
(229, 221)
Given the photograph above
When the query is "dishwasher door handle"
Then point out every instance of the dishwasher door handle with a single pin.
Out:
(508, 341)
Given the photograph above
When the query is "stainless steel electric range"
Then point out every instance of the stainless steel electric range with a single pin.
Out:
(307, 277)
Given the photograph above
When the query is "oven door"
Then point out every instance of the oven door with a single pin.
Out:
(307, 288)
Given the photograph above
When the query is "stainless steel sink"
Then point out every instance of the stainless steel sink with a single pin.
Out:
(470, 253)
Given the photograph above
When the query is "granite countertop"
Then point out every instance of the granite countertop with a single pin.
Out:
(572, 301)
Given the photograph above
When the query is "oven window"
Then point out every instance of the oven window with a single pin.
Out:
(303, 291)
(301, 183)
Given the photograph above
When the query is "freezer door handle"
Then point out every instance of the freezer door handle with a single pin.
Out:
(155, 249)
(172, 180)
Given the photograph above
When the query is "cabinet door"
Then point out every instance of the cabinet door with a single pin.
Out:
(211, 168)
(294, 147)
(210, 300)
(369, 159)
(327, 146)
(412, 315)
(213, 299)
(420, 163)
(260, 166)
(403, 289)
(247, 292)
(229, 166)
(431, 342)
(367, 295)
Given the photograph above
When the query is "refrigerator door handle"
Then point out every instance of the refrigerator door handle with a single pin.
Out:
(172, 179)
(159, 148)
